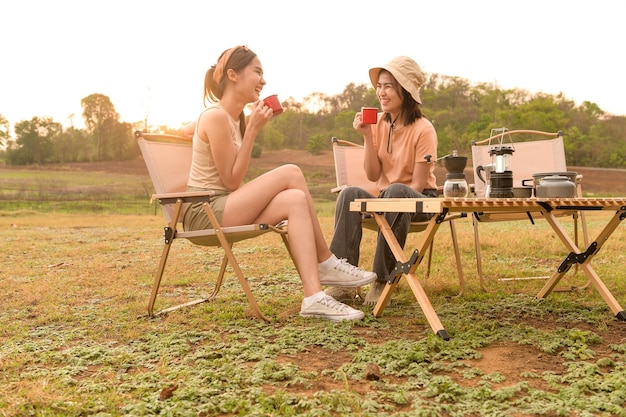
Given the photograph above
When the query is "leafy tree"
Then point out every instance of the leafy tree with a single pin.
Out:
(319, 103)
(317, 144)
(33, 141)
(123, 144)
(356, 96)
(4, 132)
(72, 145)
(460, 111)
(574, 143)
(292, 106)
(343, 128)
(272, 137)
(615, 132)
(540, 111)
(284, 131)
(100, 118)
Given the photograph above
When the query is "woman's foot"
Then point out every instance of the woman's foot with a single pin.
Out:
(342, 294)
(326, 307)
(343, 274)
(376, 290)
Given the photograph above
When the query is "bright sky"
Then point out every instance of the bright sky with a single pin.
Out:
(150, 56)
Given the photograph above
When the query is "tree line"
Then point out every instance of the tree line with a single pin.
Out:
(462, 112)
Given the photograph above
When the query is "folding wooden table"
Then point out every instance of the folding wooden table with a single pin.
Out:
(442, 206)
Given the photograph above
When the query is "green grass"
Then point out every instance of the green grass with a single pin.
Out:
(75, 191)
(79, 191)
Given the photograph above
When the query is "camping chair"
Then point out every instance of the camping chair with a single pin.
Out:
(168, 159)
(349, 171)
(529, 157)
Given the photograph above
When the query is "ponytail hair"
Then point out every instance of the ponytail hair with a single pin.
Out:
(216, 77)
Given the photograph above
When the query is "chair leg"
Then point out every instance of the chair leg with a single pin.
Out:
(227, 247)
(285, 239)
(242, 279)
(575, 217)
(169, 236)
(220, 278)
(157, 278)
(157, 284)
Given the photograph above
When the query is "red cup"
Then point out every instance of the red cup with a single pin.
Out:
(273, 103)
(369, 115)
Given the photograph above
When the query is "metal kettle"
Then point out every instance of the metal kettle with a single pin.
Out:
(487, 168)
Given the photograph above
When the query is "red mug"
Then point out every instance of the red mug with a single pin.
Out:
(273, 103)
(369, 115)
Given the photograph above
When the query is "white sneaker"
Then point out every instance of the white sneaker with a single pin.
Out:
(330, 309)
(344, 274)
(342, 294)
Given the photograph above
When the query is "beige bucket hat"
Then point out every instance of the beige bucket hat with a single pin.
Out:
(406, 72)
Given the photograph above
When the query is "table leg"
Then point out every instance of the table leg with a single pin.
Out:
(584, 259)
(425, 240)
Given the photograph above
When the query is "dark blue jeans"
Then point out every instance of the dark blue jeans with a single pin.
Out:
(348, 231)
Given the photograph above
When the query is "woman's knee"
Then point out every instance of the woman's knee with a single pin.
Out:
(291, 171)
(349, 194)
(397, 191)
(352, 192)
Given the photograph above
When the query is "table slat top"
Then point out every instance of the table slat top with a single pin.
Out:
(437, 205)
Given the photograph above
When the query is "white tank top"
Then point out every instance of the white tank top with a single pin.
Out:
(203, 173)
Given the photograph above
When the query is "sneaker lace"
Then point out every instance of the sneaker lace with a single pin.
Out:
(333, 304)
(348, 268)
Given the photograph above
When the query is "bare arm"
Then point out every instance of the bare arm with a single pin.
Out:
(421, 171)
(214, 127)
(427, 144)
(188, 130)
(371, 164)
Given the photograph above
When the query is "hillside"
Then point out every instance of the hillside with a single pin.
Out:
(596, 181)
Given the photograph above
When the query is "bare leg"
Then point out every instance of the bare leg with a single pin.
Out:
(277, 195)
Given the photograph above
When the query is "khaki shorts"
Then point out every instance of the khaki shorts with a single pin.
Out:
(195, 217)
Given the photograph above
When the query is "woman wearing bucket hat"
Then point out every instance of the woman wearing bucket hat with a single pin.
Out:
(394, 158)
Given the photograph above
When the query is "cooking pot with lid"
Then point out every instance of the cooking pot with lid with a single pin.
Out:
(539, 177)
(571, 176)
(555, 186)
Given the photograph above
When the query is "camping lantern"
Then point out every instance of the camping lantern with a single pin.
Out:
(501, 157)
(501, 178)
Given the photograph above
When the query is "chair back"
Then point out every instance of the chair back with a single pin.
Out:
(547, 155)
(168, 165)
(349, 158)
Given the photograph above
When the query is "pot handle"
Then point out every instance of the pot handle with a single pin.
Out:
(527, 185)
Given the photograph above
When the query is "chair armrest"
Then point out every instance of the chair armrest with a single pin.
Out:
(186, 196)
(337, 190)
(345, 143)
(160, 136)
